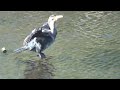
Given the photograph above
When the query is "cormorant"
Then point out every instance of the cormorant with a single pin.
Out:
(41, 38)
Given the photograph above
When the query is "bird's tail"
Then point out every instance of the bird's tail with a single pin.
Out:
(19, 50)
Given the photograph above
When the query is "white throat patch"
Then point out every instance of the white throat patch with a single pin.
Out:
(51, 25)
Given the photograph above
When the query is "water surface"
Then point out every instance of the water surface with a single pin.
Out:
(87, 45)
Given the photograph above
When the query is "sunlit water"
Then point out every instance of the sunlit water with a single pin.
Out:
(87, 45)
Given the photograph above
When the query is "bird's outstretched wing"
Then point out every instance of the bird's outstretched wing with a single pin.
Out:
(29, 37)
(37, 32)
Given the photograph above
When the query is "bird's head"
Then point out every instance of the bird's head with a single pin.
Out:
(54, 18)
(51, 21)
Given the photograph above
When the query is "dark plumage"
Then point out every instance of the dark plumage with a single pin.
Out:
(41, 38)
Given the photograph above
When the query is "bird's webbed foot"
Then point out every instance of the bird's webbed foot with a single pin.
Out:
(42, 55)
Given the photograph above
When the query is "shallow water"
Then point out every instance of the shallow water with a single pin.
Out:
(87, 45)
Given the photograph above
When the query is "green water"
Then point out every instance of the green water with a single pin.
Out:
(87, 45)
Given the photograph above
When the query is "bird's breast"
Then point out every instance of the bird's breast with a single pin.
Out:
(45, 41)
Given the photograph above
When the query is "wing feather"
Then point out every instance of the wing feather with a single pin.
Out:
(37, 32)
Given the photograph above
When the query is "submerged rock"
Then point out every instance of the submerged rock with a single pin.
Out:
(38, 70)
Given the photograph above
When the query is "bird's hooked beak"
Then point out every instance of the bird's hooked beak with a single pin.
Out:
(58, 17)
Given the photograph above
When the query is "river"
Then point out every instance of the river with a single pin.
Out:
(86, 47)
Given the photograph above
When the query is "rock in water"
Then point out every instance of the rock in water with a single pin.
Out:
(4, 50)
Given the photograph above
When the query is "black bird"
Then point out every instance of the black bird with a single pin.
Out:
(41, 38)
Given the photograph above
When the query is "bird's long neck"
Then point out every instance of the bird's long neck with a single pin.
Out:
(52, 28)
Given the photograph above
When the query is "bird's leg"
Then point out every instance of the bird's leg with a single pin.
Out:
(41, 55)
